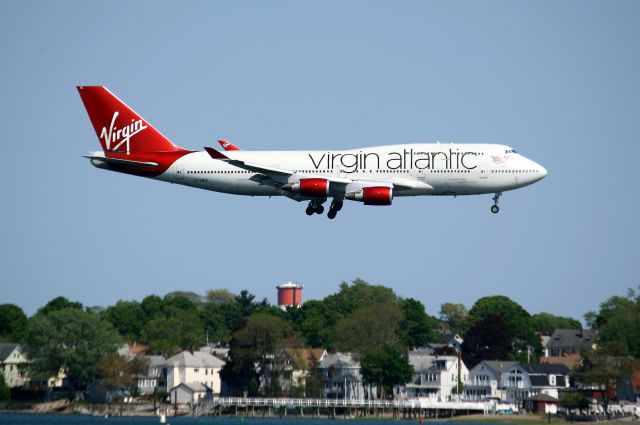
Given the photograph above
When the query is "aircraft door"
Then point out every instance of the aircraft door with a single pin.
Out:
(179, 172)
(483, 172)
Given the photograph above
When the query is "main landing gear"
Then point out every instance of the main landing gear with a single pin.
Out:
(495, 208)
(333, 210)
(315, 207)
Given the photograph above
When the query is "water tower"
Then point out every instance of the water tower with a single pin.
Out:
(289, 294)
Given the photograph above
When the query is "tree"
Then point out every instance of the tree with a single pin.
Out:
(68, 339)
(220, 296)
(546, 323)
(455, 316)
(5, 391)
(516, 318)
(13, 322)
(127, 317)
(386, 367)
(196, 299)
(245, 303)
(113, 368)
(602, 370)
(57, 304)
(174, 329)
(359, 294)
(619, 324)
(151, 305)
(417, 327)
(250, 349)
(487, 339)
(368, 327)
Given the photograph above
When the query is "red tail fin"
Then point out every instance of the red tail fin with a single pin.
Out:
(118, 127)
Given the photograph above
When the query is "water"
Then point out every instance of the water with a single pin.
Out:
(55, 419)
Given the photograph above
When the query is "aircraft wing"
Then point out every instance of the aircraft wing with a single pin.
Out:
(277, 174)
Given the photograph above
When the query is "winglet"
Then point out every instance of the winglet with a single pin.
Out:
(227, 145)
(214, 153)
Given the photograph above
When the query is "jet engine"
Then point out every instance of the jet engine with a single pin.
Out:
(314, 188)
(375, 195)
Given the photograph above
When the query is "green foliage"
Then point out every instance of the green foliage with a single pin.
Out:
(575, 401)
(116, 369)
(385, 367)
(5, 391)
(368, 327)
(454, 316)
(546, 323)
(70, 339)
(487, 339)
(417, 327)
(128, 318)
(220, 296)
(517, 320)
(151, 305)
(250, 348)
(174, 329)
(13, 323)
(57, 304)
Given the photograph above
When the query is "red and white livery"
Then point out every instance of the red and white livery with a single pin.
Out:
(373, 175)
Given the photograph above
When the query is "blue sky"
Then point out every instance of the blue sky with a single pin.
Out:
(558, 81)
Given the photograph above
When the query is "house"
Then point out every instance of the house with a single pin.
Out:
(12, 365)
(434, 376)
(485, 379)
(155, 380)
(294, 366)
(194, 368)
(106, 391)
(189, 393)
(341, 377)
(628, 387)
(564, 342)
(523, 381)
(542, 403)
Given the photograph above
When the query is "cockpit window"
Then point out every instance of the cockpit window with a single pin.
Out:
(510, 151)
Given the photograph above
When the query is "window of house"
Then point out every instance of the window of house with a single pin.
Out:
(196, 370)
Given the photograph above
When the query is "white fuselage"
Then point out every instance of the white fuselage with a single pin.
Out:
(417, 169)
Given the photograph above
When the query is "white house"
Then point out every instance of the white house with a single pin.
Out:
(485, 379)
(189, 393)
(194, 368)
(523, 381)
(434, 376)
(12, 364)
(155, 377)
(341, 377)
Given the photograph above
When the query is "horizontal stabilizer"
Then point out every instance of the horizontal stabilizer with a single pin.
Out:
(118, 161)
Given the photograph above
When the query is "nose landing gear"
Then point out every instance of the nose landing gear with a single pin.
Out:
(495, 208)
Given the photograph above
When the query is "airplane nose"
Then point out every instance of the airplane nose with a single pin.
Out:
(542, 171)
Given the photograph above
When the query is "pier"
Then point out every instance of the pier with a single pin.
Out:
(334, 408)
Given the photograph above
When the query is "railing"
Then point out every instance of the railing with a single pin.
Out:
(420, 403)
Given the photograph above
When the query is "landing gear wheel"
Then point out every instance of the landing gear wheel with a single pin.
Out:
(332, 214)
(319, 209)
(495, 209)
(310, 210)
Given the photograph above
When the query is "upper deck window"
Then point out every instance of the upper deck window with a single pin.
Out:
(510, 151)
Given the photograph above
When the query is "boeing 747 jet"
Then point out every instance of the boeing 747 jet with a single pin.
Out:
(373, 175)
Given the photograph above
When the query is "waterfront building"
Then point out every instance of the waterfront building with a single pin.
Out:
(190, 393)
(524, 381)
(12, 365)
(565, 342)
(434, 376)
(155, 380)
(341, 378)
(194, 368)
(485, 380)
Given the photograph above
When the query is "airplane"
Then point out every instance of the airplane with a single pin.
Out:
(371, 175)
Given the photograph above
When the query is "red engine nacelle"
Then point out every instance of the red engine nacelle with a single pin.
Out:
(314, 188)
(376, 195)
